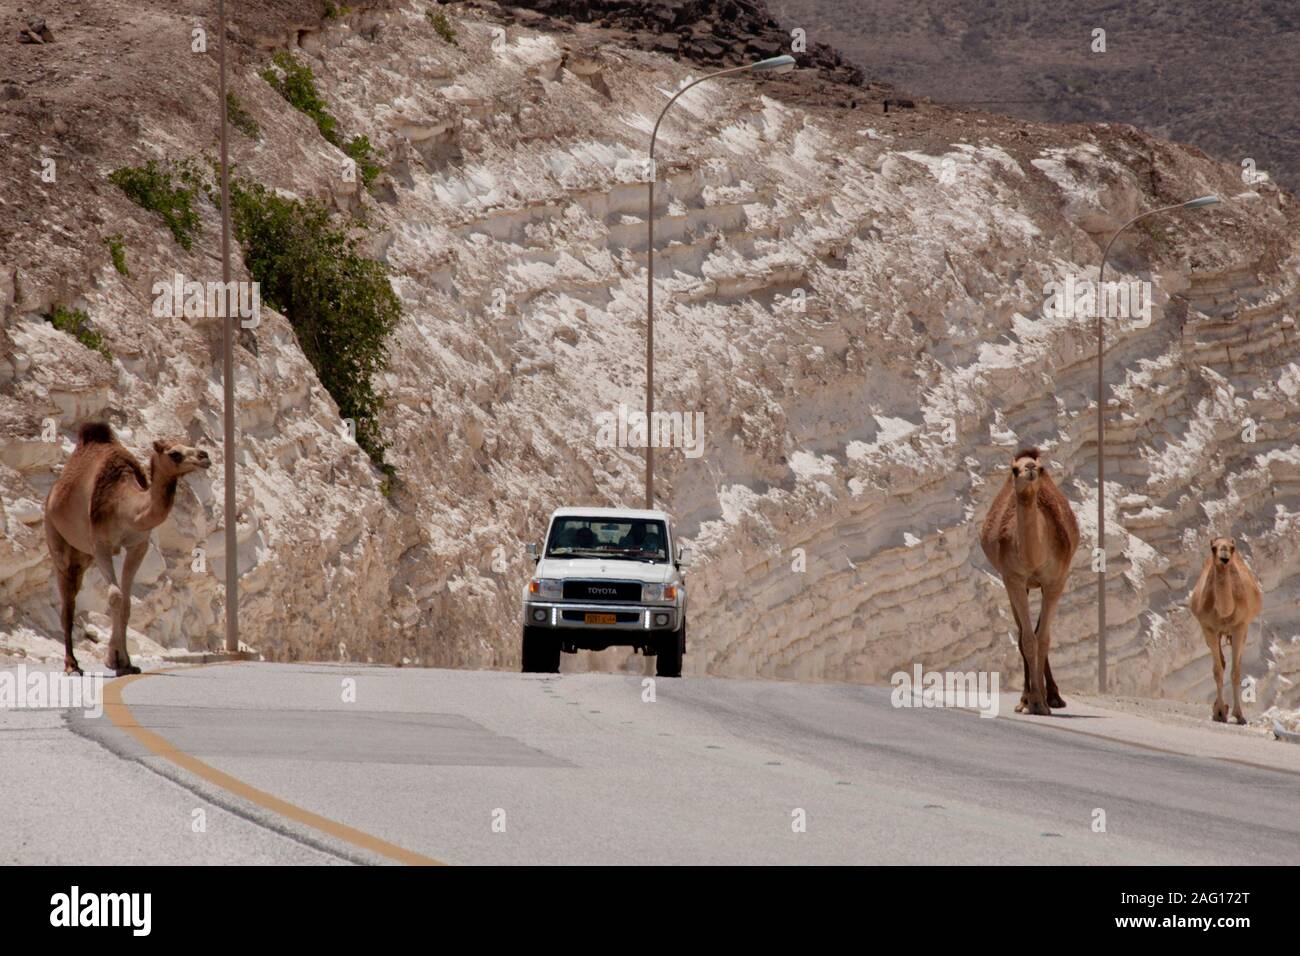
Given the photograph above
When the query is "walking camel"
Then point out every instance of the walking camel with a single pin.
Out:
(1030, 536)
(1227, 597)
(101, 504)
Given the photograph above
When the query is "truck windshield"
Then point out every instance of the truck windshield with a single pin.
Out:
(634, 539)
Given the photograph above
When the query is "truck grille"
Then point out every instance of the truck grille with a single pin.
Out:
(613, 591)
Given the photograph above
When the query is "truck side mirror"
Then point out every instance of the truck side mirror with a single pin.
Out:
(532, 550)
(683, 556)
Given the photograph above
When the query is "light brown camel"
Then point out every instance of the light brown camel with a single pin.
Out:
(1030, 536)
(101, 504)
(1227, 597)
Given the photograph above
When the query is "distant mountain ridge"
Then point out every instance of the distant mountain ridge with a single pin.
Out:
(1224, 77)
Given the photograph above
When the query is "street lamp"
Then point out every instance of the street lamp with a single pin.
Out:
(1101, 432)
(228, 365)
(776, 64)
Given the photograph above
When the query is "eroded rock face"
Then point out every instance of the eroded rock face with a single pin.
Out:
(855, 304)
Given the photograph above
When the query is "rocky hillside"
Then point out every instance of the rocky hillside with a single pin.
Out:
(853, 299)
(1221, 76)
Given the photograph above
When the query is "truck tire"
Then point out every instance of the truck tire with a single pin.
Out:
(541, 652)
(670, 650)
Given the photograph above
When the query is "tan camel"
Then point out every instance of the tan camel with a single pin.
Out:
(101, 504)
(1030, 536)
(1227, 597)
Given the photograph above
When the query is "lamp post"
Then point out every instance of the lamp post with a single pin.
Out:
(776, 64)
(228, 365)
(1101, 431)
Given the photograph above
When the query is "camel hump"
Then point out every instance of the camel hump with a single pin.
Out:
(119, 465)
(95, 433)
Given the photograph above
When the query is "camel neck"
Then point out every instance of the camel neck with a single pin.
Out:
(1225, 605)
(162, 495)
(1029, 529)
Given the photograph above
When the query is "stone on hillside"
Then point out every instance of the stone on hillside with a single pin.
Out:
(35, 32)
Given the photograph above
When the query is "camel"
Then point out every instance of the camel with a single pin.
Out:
(101, 504)
(1030, 536)
(1227, 597)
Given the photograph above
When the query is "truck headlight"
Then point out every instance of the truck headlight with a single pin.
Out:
(546, 588)
(658, 592)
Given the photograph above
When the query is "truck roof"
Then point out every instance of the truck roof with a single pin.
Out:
(610, 513)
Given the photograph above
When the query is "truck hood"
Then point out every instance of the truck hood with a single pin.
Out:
(604, 568)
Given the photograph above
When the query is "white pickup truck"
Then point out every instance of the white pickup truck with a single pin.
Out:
(606, 577)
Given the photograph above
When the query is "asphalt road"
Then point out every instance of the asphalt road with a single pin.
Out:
(496, 768)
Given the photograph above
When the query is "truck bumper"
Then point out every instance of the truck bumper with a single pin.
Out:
(629, 620)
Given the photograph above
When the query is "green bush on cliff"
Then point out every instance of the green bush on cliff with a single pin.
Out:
(76, 323)
(295, 82)
(117, 252)
(340, 303)
(151, 187)
(441, 25)
(240, 118)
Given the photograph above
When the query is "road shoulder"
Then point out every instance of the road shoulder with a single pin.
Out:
(1148, 725)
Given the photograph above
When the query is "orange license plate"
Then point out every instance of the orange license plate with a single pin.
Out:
(601, 619)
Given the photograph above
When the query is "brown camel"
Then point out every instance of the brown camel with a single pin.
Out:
(101, 504)
(1227, 597)
(1030, 536)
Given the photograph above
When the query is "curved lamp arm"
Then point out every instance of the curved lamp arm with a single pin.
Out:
(775, 64)
(694, 83)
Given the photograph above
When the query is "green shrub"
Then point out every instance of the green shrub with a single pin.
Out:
(150, 186)
(441, 25)
(363, 154)
(340, 303)
(240, 118)
(295, 82)
(118, 253)
(76, 323)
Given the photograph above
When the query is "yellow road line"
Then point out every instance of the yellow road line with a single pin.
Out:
(122, 717)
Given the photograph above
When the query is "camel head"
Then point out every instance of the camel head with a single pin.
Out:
(1223, 550)
(1026, 469)
(171, 459)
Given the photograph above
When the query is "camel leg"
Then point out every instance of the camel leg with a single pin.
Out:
(1220, 710)
(1024, 687)
(1044, 634)
(70, 585)
(119, 659)
(1054, 698)
(69, 569)
(1036, 698)
(1238, 647)
(104, 561)
(68, 596)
